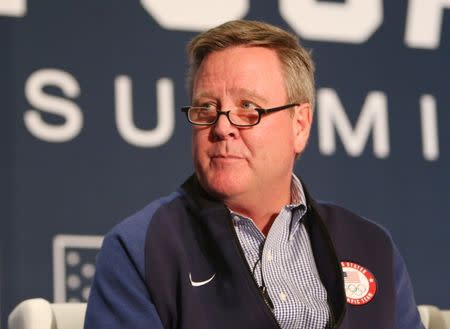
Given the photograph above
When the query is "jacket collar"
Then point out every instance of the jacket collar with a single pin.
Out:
(328, 264)
(214, 213)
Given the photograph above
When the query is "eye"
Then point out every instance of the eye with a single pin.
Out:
(246, 105)
(209, 105)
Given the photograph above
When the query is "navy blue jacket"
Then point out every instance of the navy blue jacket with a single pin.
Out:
(142, 276)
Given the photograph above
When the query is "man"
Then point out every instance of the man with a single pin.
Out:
(242, 244)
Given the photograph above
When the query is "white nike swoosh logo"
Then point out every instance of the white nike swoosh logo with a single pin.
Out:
(200, 283)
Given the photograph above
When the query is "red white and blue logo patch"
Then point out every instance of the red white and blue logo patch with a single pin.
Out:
(360, 283)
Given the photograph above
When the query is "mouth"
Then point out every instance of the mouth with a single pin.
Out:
(225, 158)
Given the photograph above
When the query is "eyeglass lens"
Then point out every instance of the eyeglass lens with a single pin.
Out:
(237, 116)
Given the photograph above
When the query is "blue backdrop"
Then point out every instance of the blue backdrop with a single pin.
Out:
(91, 131)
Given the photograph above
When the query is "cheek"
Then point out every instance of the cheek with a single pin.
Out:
(199, 144)
(277, 146)
(270, 139)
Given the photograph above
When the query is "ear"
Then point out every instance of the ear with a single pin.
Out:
(301, 121)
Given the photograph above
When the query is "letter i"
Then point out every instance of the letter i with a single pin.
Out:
(430, 139)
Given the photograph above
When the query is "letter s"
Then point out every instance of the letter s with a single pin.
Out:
(53, 104)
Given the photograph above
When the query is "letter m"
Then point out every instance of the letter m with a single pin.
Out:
(332, 121)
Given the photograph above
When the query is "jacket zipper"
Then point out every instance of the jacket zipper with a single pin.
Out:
(241, 252)
(264, 298)
(339, 322)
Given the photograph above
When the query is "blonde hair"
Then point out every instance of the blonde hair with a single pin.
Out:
(296, 61)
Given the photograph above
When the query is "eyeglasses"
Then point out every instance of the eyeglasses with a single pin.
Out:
(240, 117)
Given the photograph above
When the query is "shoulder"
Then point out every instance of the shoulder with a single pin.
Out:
(336, 216)
(349, 230)
(119, 277)
(130, 234)
(136, 225)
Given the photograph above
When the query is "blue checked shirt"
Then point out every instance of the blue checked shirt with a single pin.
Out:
(284, 262)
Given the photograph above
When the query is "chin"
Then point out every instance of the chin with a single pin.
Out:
(223, 186)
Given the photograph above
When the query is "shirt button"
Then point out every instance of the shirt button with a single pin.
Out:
(269, 256)
(282, 296)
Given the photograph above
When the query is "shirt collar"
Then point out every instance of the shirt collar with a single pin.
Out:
(298, 199)
(297, 193)
(298, 204)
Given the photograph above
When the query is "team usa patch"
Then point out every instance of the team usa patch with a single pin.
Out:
(360, 284)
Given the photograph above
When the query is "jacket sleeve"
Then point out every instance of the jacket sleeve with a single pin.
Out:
(119, 297)
(407, 315)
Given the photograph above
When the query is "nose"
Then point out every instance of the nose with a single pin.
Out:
(223, 128)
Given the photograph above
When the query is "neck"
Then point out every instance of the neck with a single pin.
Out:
(261, 208)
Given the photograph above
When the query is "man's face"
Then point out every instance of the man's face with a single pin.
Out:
(232, 162)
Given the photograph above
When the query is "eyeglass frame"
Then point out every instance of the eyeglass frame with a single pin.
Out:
(260, 111)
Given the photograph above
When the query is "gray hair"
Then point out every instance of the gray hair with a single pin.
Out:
(297, 64)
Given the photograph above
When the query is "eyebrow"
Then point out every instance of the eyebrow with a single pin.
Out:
(251, 93)
(240, 92)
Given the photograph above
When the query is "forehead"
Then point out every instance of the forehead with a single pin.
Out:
(240, 70)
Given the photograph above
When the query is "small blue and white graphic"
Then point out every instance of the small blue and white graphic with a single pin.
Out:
(74, 266)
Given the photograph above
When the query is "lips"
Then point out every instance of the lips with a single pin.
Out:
(225, 152)
(225, 159)
(228, 156)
